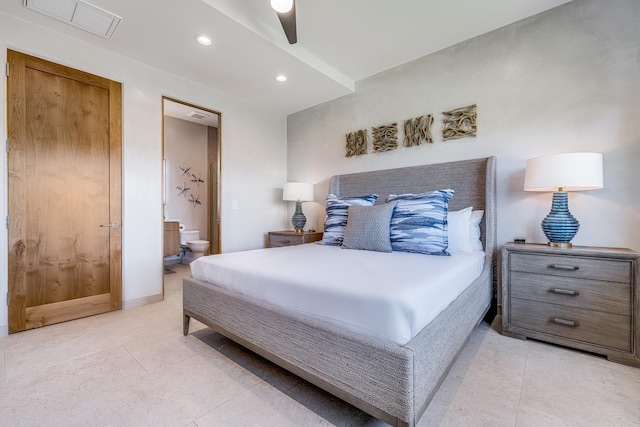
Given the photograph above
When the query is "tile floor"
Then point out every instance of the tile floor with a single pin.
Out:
(135, 368)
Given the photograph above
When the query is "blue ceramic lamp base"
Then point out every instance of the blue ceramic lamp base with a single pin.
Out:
(560, 226)
(298, 219)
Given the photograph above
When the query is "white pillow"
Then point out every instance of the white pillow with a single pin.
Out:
(464, 230)
(458, 225)
(474, 230)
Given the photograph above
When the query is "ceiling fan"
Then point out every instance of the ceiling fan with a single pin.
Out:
(286, 10)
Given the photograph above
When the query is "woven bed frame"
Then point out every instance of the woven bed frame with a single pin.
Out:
(390, 382)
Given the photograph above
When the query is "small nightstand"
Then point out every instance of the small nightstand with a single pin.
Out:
(581, 297)
(291, 238)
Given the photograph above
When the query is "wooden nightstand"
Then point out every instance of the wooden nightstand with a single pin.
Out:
(581, 297)
(291, 238)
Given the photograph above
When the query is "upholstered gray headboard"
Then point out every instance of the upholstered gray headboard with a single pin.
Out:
(474, 182)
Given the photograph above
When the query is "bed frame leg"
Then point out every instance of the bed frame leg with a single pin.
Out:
(185, 324)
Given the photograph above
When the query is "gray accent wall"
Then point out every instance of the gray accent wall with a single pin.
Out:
(565, 80)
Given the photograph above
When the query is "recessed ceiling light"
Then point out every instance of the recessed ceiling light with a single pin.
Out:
(203, 40)
(281, 78)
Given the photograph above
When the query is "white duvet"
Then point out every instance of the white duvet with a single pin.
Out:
(387, 295)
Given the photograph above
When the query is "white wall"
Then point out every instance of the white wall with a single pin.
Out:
(565, 80)
(253, 146)
(185, 144)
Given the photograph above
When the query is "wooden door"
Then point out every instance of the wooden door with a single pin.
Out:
(64, 165)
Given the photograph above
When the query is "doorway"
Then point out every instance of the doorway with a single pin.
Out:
(191, 175)
(64, 193)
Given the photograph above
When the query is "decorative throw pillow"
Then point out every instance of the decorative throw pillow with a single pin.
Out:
(336, 217)
(368, 228)
(419, 222)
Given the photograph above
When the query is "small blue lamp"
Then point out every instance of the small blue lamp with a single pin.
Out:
(561, 173)
(298, 192)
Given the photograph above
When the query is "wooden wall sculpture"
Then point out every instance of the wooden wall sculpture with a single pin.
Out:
(418, 130)
(357, 143)
(385, 138)
(459, 123)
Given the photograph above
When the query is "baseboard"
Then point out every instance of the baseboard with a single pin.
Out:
(138, 302)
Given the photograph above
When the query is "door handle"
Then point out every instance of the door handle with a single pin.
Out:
(111, 225)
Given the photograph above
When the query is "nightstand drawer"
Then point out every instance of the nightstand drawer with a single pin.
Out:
(610, 297)
(572, 266)
(278, 240)
(291, 238)
(603, 329)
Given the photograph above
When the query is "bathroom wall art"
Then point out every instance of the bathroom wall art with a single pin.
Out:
(459, 123)
(197, 179)
(185, 169)
(356, 143)
(385, 138)
(194, 200)
(418, 130)
(183, 190)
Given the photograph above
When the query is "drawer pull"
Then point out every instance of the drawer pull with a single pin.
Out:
(560, 321)
(285, 241)
(564, 267)
(564, 291)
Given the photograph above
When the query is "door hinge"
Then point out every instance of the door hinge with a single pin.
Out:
(6, 68)
(7, 145)
(7, 298)
(7, 222)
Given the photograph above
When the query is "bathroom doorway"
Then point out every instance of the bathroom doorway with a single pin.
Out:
(191, 178)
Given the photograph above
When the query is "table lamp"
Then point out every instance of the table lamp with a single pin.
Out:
(298, 192)
(561, 173)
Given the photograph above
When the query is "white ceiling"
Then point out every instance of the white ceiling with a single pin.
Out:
(339, 41)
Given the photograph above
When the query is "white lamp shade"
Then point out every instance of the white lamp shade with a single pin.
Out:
(569, 172)
(282, 6)
(294, 191)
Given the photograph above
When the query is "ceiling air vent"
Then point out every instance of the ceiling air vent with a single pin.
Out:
(79, 14)
(198, 115)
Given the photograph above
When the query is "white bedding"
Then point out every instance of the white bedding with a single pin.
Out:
(388, 295)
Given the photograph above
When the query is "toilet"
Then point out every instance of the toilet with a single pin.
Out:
(196, 248)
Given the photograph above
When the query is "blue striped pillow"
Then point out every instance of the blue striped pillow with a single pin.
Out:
(419, 222)
(336, 218)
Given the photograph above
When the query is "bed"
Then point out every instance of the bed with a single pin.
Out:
(391, 381)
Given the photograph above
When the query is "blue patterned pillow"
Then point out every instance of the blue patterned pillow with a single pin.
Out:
(336, 218)
(419, 222)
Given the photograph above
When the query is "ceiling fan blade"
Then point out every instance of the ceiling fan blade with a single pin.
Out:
(288, 21)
